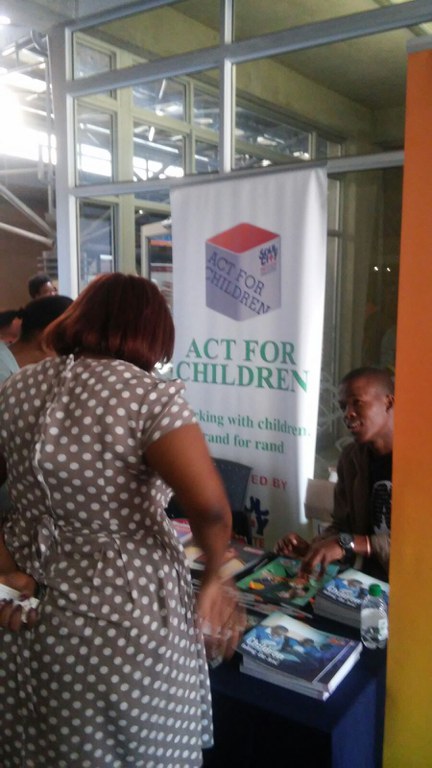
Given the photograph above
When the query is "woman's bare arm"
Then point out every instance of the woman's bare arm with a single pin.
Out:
(182, 459)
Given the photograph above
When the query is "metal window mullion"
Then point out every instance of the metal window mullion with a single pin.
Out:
(170, 123)
(333, 30)
(227, 95)
(60, 45)
(147, 72)
(123, 211)
(226, 125)
(189, 134)
(338, 165)
(313, 143)
(121, 11)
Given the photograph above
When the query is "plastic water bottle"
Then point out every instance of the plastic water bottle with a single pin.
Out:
(374, 619)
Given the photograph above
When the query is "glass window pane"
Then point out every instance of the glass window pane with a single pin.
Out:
(164, 97)
(206, 157)
(206, 109)
(271, 135)
(361, 292)
(158, 200)
(158, 152)
(164, 31)
(96, 240)
(369, 268)
(352, 93)
(89, 60)
(94, 144)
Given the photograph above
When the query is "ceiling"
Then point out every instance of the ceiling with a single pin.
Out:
(369, 71)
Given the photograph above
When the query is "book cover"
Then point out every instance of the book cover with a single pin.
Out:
(341, 598)
(293, 654)
(279, 582)
(182, 529)
(239, 557)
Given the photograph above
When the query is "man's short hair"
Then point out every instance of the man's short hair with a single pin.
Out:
(35, 284)
(39, 313)
(381, 376)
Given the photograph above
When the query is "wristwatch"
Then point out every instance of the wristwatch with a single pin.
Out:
(346, 542)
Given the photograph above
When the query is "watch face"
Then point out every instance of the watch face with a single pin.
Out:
(346, 541)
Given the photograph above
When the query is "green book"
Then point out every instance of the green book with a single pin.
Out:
(279, 582)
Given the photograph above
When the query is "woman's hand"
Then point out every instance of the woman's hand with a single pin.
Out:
(222, 619)
(11, 614)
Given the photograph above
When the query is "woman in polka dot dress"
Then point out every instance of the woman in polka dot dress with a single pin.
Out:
(111, 671)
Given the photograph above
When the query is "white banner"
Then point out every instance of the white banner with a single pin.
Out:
(249, 277)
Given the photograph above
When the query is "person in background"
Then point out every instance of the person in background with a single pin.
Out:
(41, 285)
(362, 503)
(114, 665)
(10, 326)
(28, 348)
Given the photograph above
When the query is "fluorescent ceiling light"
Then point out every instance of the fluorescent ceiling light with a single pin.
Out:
(4, 20)
(23, 82)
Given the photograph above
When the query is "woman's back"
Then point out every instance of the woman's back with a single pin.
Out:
(81, 468)
(88, 522)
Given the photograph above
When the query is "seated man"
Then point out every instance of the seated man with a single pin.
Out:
(41, 285)
(362, 504)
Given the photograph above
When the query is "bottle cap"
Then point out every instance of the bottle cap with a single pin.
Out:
(375, 590)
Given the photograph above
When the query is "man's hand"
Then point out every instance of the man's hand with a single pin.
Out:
(321, 553)
(292, 545)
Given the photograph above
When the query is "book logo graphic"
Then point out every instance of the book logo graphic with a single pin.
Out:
(268, 256)
(243, 272)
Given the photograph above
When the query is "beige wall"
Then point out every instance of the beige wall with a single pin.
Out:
(18, 260)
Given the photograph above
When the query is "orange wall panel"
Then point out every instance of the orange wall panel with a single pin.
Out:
(408, 732)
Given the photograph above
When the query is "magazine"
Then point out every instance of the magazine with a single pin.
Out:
(239, 558)
(342, 597)
(279, 582)
(290, 653)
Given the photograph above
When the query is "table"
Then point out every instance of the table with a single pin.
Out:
(258, 724)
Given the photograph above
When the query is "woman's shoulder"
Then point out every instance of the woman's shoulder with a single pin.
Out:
(112, 372)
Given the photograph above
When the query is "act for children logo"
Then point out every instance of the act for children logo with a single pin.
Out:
(243, 273)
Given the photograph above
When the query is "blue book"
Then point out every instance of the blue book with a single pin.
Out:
(290, 653)
(341, 598)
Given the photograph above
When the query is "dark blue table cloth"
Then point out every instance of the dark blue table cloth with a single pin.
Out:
(258, 724)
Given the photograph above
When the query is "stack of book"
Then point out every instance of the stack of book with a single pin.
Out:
(342, 597)
(289, 653)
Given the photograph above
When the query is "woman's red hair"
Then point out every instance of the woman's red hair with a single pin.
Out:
(117, 315)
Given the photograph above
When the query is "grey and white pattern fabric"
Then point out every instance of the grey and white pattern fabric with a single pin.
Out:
(114, 673)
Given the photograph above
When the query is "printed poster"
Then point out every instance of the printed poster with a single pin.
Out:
(249, 278)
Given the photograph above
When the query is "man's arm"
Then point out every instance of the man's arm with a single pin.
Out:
(380, 546)
(341, 507)
(325, 547)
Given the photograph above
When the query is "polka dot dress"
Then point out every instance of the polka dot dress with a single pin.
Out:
(114, 673)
